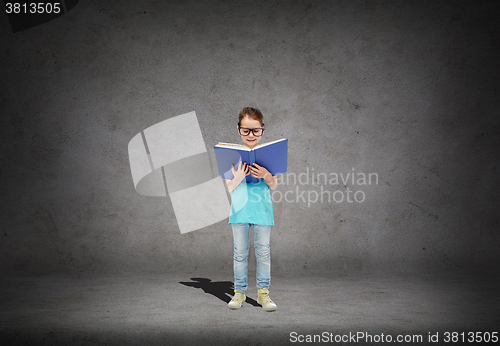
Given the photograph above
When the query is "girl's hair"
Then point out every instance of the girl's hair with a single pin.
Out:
(252, 113)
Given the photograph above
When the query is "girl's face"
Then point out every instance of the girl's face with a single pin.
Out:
(250, 140)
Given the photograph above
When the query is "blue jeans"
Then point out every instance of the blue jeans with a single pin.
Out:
(241, 238)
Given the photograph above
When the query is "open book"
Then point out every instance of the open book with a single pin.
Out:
(272, 155)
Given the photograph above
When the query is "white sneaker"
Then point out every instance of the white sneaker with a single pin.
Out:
(237, 300)
(265, 301)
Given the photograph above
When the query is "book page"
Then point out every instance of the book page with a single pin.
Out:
(269, 143)
(231, 145)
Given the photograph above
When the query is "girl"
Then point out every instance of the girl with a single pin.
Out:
(251, 205)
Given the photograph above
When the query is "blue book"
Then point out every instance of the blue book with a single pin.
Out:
(272, 155)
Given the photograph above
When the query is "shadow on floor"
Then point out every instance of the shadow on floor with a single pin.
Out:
(224, 290)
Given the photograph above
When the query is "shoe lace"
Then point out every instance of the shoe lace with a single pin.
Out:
(265, 299)
(238, 297)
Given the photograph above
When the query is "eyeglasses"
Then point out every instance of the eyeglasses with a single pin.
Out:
(243, 131)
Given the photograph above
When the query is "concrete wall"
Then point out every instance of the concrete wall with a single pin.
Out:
(407, 91)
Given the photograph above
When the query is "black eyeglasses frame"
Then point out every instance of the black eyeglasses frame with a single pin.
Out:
(252, 130)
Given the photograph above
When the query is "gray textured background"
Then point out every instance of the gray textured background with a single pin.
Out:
(408, 91)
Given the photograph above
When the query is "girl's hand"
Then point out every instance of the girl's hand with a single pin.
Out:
(262, 172)
(241, 172)
(259, 171)
(238, 176)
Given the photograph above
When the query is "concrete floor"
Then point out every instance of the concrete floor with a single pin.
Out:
(164, 309)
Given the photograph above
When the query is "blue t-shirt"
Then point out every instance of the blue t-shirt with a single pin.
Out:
(251, 203)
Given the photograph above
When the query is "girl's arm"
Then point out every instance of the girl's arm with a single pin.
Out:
(262, 172)
(238, 176)
(272, 181)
